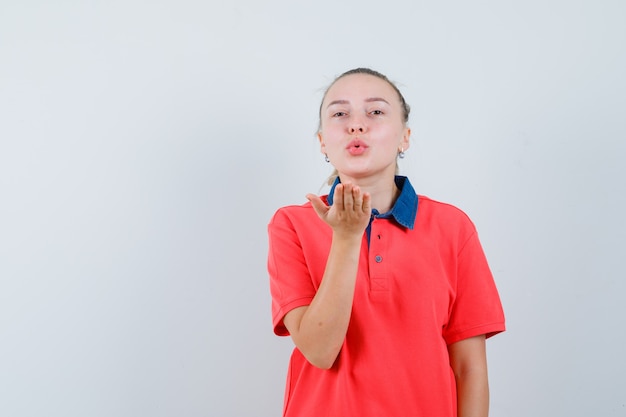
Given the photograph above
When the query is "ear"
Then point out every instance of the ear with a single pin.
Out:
(405, 143)
(322, 144)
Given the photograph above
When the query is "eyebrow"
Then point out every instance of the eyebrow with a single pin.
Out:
(367, 100)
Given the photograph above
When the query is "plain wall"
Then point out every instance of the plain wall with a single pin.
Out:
(144, 146)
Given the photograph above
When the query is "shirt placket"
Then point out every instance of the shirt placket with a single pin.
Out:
(378, 264)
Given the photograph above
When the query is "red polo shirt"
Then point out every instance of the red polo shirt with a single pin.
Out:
(423, 283)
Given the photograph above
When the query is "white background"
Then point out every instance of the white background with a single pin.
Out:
(144, 145)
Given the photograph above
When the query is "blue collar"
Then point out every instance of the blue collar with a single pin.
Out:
(405, 208)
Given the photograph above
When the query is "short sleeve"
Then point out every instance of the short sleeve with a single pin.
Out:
(290, 282)
(476, 308)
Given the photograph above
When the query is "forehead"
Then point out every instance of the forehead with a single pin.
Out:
(358, 87)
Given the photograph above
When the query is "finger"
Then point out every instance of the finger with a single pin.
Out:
(367, 204)
(357, 196)
(318, 205)
(348, 200)
(338, 197)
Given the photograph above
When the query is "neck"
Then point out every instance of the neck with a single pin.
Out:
(384, 192)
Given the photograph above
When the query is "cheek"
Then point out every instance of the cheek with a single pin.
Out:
(387, 132)
(332, 133)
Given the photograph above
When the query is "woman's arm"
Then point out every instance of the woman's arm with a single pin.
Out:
(468, 359)
(319, 329)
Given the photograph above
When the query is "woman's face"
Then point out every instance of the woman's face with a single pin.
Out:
(362, 127)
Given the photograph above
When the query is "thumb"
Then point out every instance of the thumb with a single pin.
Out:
(318, 205)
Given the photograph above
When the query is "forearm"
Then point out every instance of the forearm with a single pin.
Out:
(473, 394)
(324, 324)
(320, 328)
(468, 359)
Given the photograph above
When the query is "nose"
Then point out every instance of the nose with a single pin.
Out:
(356, 126)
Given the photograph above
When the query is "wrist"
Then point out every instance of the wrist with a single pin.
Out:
(349, 238)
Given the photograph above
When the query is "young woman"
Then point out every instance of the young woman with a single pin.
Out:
(387, 295)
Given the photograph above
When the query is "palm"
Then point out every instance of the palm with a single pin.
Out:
(350, 212)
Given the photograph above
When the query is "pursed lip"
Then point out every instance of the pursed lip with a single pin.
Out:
(356, 143)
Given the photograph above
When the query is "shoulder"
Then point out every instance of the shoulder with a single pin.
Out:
(298, 228)
(440, 208)
(446, 215)
(294, 211)
(297, 214)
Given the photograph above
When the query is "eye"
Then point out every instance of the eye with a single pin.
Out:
(376, 112)
(339, 114)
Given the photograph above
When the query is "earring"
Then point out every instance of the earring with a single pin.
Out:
(401, 153)
(326, 158)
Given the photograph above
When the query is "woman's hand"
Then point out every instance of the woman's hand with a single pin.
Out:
(350, 212)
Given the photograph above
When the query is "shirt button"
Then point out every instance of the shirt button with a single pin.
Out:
(379, 258)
